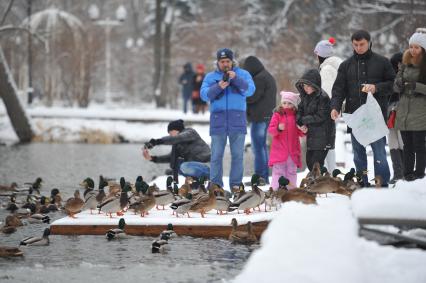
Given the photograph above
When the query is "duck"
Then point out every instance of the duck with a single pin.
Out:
(8, 229)
(37, 241)
(38, 218)
(182, 206)
(13, 187)
(186, 187)
(10, 251)
(30, 204)
(335, 174)
(117, 203)
(117, 233)
(43, 207)
(161, 245)
(74, 205)
(13, 220)
(239, 192)
(12, 206)
(115, 188)
(100, 197)
(55, 203)
(36, 186)
(89, 194)
(146, 203)
(169, 231)
(141, 185)
(299, 195)
(165, 197)
(222, 204)
(242, 237)
(255, 178)
(378, 181)
(272, 199)
(247, 201)
(205, 203)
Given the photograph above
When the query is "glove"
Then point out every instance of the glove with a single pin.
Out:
(410, 86)
(155, 142)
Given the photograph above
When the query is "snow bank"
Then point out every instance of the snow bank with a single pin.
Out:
(308, 243)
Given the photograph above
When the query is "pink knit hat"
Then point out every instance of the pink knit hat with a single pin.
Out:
(288, 96)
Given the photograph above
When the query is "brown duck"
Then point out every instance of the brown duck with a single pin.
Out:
(242, 237)
(299, 196)
(74, 205)
(205, 202)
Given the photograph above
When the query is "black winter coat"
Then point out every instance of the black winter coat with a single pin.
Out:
(314, 112)
(187, 145)
(262, 102)
(368, 68)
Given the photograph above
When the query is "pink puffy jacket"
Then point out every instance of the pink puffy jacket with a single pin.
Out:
(285, 143)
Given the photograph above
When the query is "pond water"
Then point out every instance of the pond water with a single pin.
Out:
(93, 258)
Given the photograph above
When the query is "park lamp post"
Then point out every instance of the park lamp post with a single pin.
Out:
(108, 24)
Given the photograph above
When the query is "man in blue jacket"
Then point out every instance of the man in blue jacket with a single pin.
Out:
(226, 89)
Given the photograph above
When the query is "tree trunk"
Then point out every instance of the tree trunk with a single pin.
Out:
(15, 110)
(159, 99)
(85, 64)
(165, 78)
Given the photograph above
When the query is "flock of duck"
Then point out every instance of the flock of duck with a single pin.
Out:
(193, 196)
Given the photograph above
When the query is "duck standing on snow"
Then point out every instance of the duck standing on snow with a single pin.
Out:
(74, 205)
(145, 203)
(37, 241)
(117, 233)
(89, 195)
(205, 202)
(182, 206)
(242, 237)
(115, 204)
(165, 197)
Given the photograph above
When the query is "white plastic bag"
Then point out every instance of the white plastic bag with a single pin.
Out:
(367, 122)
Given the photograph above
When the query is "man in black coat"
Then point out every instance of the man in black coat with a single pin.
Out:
(259, 112)
(363, 72)
(313, 118)
(189, 151)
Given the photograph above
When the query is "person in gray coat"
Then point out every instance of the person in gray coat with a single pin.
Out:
(259, 112)
(189, 151)
(410, 114)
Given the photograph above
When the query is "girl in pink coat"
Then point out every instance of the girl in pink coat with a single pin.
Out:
(285, 153)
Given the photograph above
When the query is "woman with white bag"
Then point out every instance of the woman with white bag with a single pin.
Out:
(411, 112)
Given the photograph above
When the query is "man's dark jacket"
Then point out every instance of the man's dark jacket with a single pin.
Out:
(187, 145)
(262, 102)
(368, 68)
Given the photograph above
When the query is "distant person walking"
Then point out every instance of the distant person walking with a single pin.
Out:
(226, 89)
(328, 66)
(313, 116)
(396, 145)
(411, 112)
(187, 82)
(199, 104)
(364, 72)
(285, 155)
(259, 111)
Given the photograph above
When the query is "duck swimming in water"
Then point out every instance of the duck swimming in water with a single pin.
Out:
(242, 237)
(37, 241)
(117, 233)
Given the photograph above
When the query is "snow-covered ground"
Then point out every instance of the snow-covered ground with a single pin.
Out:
(320, 243)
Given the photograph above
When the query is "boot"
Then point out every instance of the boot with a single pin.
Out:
(397, 164)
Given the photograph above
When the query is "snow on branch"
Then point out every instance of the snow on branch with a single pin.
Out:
(368, 8)
(387, 27)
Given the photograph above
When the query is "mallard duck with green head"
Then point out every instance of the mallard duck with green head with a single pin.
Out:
(38, 218)
(117, 233)
(169, 231)
(36, 186)
(37, 241)
(161, 245)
